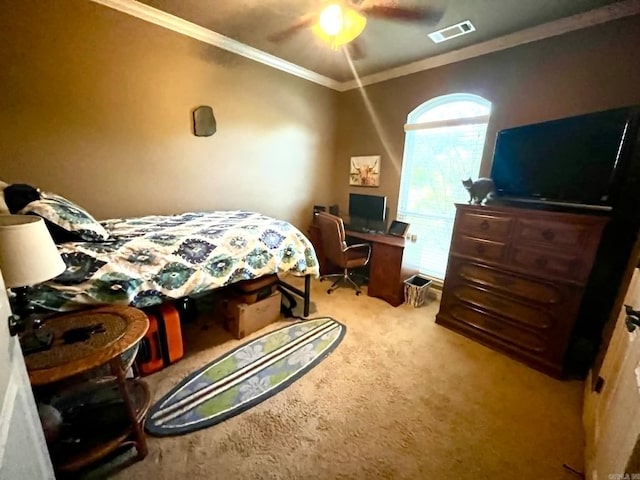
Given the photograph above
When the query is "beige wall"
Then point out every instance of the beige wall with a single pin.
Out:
(96, 105)
(580, 72)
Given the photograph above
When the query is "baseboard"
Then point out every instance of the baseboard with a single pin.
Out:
(435, 293)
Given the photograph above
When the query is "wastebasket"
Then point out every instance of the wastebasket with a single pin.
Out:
(416, 288)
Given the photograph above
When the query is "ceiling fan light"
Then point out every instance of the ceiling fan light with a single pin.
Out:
(331, 19)
(351, 25)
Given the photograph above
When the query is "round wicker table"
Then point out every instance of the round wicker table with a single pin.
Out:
(116, 331)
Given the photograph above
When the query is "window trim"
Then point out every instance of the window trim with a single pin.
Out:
(453, 122)
(444, 99)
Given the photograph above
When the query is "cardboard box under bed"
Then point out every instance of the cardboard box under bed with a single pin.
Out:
(243, 319)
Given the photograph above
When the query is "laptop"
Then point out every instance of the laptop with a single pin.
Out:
(398, 228)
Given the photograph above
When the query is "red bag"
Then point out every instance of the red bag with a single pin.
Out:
(162, 344)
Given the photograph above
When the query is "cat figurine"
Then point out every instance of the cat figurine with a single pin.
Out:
(478, 190)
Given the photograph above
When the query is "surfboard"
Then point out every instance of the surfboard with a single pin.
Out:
(244, 377)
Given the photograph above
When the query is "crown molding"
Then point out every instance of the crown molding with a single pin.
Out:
(554, 28)
(184, 27)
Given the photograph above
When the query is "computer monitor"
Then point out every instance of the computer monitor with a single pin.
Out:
(371, 209)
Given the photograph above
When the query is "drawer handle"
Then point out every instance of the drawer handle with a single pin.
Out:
(484, 225)
(541, 262)
(548, 234)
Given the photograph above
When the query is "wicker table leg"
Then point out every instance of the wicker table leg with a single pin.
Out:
(136, 427)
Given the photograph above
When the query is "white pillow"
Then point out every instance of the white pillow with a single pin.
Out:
(3, 205)
(73, 220)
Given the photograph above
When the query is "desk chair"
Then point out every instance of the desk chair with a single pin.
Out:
(337, 252)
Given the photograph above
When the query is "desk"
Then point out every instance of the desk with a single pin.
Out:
(385, 264)
(123, 327)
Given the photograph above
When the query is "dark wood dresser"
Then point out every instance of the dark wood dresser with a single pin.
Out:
(516, 277)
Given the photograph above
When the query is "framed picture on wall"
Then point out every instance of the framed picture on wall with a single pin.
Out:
(365, 171)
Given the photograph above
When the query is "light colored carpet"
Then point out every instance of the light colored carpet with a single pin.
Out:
(400, 398)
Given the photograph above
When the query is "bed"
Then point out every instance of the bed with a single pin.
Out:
(148, 260)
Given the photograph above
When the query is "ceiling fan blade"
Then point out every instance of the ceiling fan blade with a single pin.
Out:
(431, 15)
(301, 23)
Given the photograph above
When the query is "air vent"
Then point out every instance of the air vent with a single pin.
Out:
(453, 31)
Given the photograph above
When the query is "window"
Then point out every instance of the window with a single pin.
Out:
(443, 145)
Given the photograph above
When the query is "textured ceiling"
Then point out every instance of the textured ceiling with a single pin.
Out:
(387, 43)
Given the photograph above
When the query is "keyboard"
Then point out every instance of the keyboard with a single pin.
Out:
(358, 228)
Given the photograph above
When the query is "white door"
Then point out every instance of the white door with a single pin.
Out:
(612, 417)
(23, 452)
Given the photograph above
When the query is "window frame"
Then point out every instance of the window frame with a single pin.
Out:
(413, 125)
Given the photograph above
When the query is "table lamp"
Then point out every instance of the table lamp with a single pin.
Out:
(27, 256)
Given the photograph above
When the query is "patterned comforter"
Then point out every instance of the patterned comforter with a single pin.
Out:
(151, 259)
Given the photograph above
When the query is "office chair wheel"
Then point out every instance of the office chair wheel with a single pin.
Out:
(358, 293)
(329, 291)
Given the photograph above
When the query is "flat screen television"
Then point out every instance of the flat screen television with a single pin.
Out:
(370, 209)
(575, 160)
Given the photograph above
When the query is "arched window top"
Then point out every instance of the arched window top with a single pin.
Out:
(450, 107)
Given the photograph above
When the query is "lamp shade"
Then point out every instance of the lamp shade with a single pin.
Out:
(27, 252)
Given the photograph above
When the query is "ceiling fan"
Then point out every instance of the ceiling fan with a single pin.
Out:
(340, 22)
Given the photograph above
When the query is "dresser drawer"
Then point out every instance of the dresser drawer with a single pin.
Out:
(487, 226)
(547, 264)
(519, 313)
(479, 248)
(499, 328)
(551, 234)
(511, 285)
